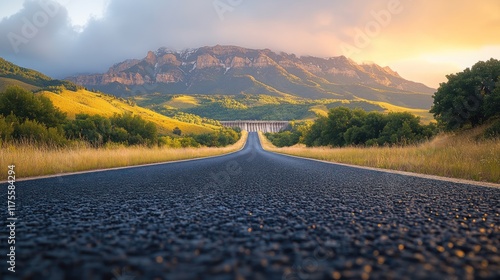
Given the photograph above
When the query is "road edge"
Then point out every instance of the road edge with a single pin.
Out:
(122, 167)
(398, 172)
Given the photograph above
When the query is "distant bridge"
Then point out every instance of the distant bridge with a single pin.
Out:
(254, 126)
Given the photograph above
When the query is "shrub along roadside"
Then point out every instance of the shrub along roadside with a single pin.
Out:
(348, 127)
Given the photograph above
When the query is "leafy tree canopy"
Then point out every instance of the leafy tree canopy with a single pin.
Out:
(27, 106)
(344, 127)
(470, 97)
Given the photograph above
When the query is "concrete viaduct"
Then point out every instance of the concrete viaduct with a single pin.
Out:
(254, 126)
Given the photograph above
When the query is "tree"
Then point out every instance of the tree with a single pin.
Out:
(94, 129)
(356, 135)
(119, 135)
(332, 130)
(315, 136)
(140, 131)
(177, 131)
(492, 102)
(468, 98)
(401, 128)
(37, 132)
(28, 106)
(338, 122)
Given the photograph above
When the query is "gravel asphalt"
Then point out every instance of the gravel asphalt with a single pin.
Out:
(252, 215)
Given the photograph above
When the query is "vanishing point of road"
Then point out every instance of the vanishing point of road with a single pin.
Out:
(253, 215)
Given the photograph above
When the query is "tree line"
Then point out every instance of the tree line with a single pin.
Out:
(27, 117)
(354, 127)
(468, 99)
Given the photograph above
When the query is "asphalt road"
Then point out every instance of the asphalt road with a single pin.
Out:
(252, 215)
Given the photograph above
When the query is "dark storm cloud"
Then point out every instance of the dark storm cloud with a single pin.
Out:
(33, 36)
(40, 35)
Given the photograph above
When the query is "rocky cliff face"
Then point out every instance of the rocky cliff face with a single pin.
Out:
(231, 70)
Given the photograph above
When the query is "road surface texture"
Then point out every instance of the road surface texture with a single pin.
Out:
(253, 215)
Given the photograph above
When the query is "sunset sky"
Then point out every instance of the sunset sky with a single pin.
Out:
(421, 40)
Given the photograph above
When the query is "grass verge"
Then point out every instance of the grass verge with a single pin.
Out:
(31, 160)
(457, 156)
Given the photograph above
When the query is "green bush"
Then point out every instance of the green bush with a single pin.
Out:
(223, 137)
(33, 131)
(177, 131)
(292, 135)
(345, 126)
(171, 142)
(28, 106)
(125, 129)
(140, 131)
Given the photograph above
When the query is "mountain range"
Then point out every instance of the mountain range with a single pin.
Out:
(232, 70)
(74, 99)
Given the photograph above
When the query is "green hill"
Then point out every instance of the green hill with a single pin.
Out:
(6, 82)
(25, 75)
(86, 102)
(11, 74)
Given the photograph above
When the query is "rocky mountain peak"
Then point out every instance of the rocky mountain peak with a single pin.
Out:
(151, 58)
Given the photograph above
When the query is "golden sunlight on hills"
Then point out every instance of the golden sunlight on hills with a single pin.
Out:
(86, 102)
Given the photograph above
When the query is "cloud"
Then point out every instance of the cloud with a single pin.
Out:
(129, 28)
(29, 35)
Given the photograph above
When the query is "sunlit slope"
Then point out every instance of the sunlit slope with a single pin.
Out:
(183, 101)
(424, 114)
(86, 102)
(170, 102)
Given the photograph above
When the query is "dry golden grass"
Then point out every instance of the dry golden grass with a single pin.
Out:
(457, 156)
(31, 160)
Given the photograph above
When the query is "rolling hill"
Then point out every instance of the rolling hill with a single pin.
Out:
(261, 107)
(74, 100)
(13, 75)
(6, 82)
(86, 102)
